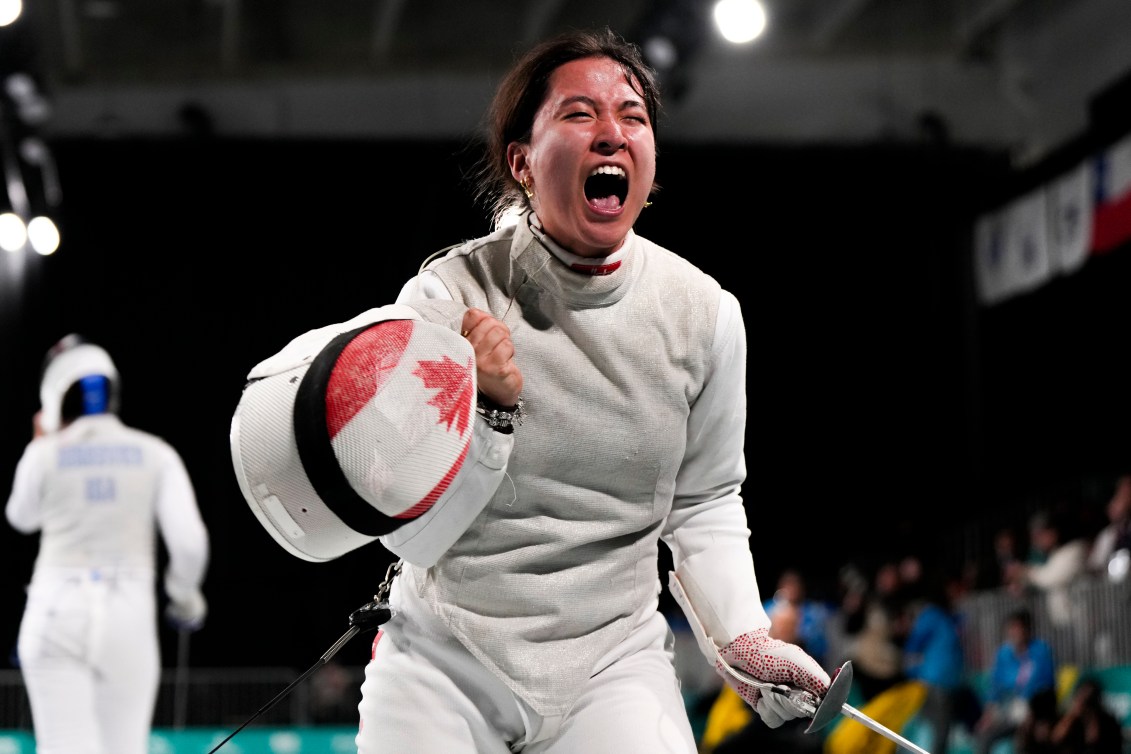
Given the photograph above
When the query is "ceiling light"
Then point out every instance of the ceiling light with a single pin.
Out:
(9, 11)
(13, 232)
(740, 21)
(43, 235)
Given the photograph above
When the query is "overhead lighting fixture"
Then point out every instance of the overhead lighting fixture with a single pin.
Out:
(43, 235)
(13, 232)
(671, 35)
(10, 10)
(32, 107)
(740, 21)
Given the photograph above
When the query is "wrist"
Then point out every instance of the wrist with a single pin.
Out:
(501, 418)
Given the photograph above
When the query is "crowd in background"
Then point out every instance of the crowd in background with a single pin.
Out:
(901, 623)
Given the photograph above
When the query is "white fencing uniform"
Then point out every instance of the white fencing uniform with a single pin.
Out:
(530, 623)
(97, 491)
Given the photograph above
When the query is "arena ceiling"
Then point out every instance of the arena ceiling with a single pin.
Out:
(1003, 74)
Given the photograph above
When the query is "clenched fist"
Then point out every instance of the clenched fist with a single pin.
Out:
(498, 376)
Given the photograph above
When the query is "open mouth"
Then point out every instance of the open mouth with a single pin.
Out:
(606, 188)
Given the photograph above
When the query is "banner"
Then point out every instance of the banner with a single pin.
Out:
(1011, 248)
(1070, 219)
(1111, 224)
(1055, 229)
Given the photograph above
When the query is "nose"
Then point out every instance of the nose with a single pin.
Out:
(609, 138)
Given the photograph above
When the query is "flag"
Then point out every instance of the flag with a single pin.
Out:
(1070, 219)
(989, 254)
(1111, 221)
(1011, 248)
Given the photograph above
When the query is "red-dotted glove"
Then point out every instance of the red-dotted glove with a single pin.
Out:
(772, 661)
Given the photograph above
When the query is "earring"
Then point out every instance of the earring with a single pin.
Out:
(647, 204)
(526, 189)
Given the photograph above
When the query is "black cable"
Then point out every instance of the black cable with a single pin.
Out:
(367, 617)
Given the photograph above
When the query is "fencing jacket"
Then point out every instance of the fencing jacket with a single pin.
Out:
(634, 385)
(95, 490)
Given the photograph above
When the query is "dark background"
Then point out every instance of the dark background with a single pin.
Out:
(889, 413)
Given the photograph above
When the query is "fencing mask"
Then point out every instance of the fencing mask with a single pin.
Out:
(354, 429)
(75, 362)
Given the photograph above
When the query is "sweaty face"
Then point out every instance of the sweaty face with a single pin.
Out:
(591, 158)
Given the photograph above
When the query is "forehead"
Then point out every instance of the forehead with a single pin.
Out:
(598, 78)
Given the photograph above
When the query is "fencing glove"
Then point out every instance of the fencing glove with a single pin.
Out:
(772, 661)
(187, 612)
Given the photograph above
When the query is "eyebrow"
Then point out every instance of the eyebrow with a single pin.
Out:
(626, 105)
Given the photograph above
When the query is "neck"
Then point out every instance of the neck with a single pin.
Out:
(596, 266)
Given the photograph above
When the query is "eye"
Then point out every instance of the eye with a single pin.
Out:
(635, 114)
(577, 115)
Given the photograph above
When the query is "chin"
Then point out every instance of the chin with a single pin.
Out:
(601, 247)
(610, 234)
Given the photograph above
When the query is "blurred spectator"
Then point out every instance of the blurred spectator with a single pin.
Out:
(1035, 555)
(932, 655)
(1022, 667)
(1065, 552)
(1087, 726)
(785, 621)
(1034, 735)
(810, 616)
(910, 584)
(1110, 554)
(847, 620)
(887, 582)
(334, 695)
(870, 640)
(876, 657)
(932, 681)
(1007, 554)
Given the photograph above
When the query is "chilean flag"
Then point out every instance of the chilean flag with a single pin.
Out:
(1111, 223)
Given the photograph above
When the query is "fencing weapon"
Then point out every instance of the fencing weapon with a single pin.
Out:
(366, 618)
(180, 684)
(824, 711)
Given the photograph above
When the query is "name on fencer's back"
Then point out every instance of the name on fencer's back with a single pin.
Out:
(99, 455)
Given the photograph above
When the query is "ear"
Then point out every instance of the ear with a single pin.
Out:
(516, 158)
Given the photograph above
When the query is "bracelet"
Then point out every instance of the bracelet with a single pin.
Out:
(501, 417)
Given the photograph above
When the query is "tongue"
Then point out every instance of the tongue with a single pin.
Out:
(605, 203)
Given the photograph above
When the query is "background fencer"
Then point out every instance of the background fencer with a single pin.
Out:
(607, 407)
(97, 492)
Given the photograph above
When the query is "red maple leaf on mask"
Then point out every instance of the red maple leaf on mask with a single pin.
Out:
(454, 382)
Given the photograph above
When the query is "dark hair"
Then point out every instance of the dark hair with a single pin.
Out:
(510, 116)
(1022, 617)
(1091, 689)
(1043, 705)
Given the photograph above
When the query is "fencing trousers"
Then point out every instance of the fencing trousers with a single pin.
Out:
(90, 659)
(424, 692)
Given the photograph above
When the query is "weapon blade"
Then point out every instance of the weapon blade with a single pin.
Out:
(851, 712)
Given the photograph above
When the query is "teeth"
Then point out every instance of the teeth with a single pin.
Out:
(609, 170)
